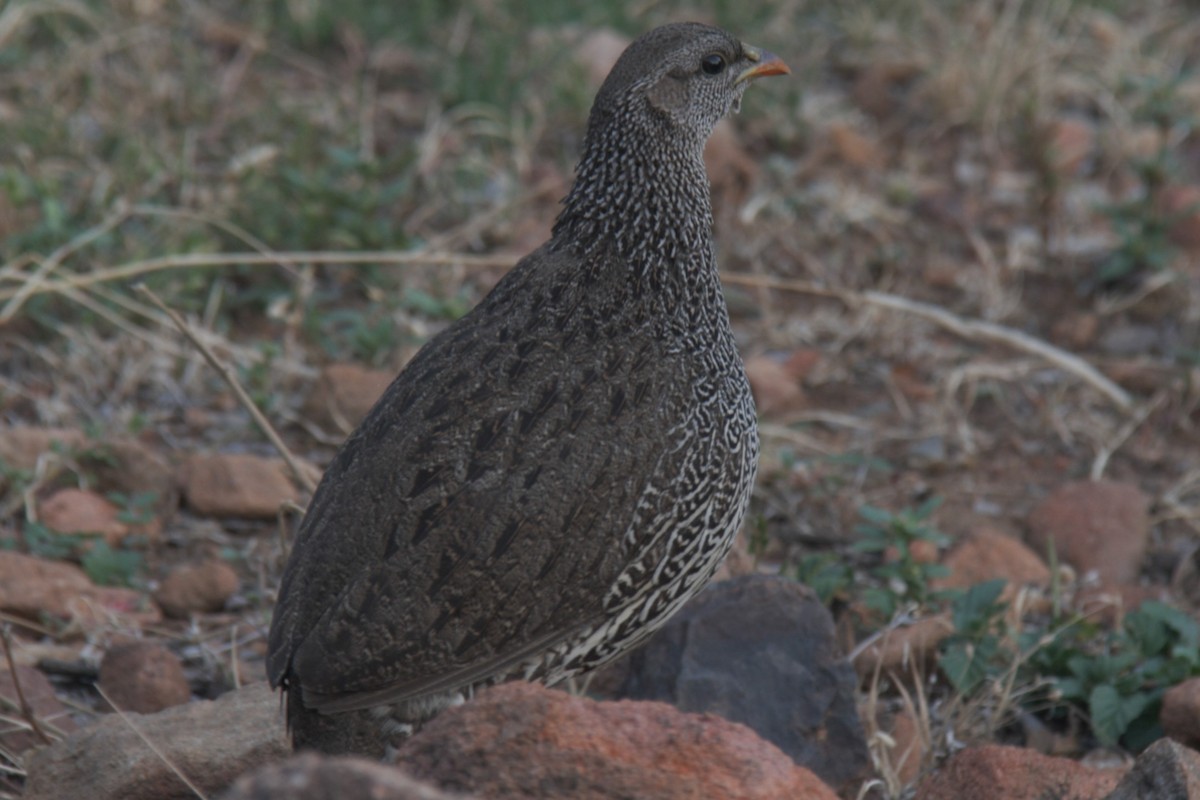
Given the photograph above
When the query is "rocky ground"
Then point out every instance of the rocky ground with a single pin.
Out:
(961, 247)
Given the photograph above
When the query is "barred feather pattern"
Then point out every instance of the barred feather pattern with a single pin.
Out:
(605, 365)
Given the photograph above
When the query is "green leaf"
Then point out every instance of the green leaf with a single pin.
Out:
(46, 543)
(966, 663)
(978, 604)
(1183, 625)
(877, 516)
(880, 600)
(928, 507)
(1070, 688)
(1111, 713)
(873, 544)
(109, 567)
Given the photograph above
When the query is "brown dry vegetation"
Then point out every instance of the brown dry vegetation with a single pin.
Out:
(970, 226)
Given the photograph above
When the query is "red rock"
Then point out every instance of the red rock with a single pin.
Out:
(1106, 29)
(344, 393)
(1100, 526)
(1077, 330)
(81, 511)
(989, 554)
(130, 467)
(32, 586)
(1070, 142)
(942, 273)
(1138, 375)
(1015, 773)
(520, 740)
(1182, 205)
(853, 148)
(910, 381)
(197, 588)
(802, 362)
(20, 448)
(1180, 716)
(237, 485)
(902, 649)
(310, 776)
(775, 390)
(877, 88)
(47, 709)
(143, 677)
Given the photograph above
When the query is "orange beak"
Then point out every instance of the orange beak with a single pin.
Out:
(766, 64)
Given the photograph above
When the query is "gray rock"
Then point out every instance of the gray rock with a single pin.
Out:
(212, 742)
(1166, 770)
(310, 776)
(760, 650)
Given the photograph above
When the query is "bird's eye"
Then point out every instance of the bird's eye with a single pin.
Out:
(713, 64)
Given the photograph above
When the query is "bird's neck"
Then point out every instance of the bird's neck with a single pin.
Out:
(642, 196)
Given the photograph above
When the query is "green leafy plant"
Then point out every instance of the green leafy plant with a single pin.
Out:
(1142, 229)
(41, 541)
(110, 566)
(136, 508)
(448, 308)
(1142, 225)
(257, 376)
(827, 574)
(757, 537)
(1119, 678)
(975, 650)
(904, 579)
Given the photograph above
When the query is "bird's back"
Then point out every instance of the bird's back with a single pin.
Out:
(527, 465)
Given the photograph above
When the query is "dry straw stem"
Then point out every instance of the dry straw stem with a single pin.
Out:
(974, 330)
(23, 706)
(306, 478)
(1127, 430)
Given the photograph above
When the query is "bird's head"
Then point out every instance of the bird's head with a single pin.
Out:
(685, 75)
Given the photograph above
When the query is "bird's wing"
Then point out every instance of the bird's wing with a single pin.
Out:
(477, 516)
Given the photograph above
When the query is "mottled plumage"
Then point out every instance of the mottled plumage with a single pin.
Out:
(556, 473)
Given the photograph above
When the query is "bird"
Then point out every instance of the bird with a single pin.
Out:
(553, 475)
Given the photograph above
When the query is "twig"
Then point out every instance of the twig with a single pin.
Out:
(32, 284)
(796, 287)
(1114, 444)
(233, 657)
(786, 434)
(196, 260)
(125, 718)
(22, 704)
(302, 475)
(978, 329)
(967, 329)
